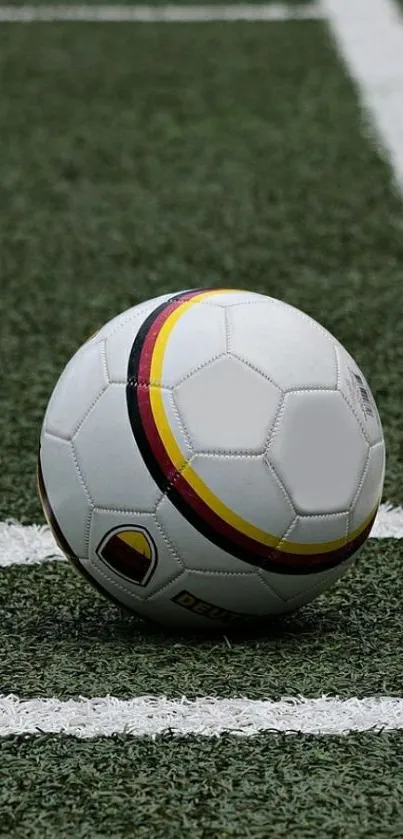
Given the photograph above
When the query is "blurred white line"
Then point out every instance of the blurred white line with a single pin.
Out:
(369, 34)
(159, 14)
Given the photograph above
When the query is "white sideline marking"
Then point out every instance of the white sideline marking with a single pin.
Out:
(159, 14)
(388, 523)
(26, 544)
(31, 544)
(207, 716)
(369, 34)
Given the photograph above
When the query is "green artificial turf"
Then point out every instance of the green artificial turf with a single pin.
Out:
(137, 160)
(156, 3)
(281, 787)
(59, 638)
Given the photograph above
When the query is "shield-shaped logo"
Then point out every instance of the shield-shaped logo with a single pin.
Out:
(129, 552)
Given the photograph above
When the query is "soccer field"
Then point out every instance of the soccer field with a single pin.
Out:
(139, 159)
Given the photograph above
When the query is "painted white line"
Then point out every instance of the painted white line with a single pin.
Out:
(370, 38)
(388, 523)
(26, 544)
(207, 716)
(159, 14)
(31, 544)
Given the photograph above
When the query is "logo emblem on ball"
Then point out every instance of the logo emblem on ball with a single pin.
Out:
(129, 551)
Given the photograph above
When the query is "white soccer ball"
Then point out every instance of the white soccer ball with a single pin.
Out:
(210, 457)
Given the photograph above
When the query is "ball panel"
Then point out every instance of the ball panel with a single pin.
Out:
(109, 458)
(81, 383)
(123, 570)
(356, 391)
(120, 334)
(249, 488)
(316, 530)
(299, 590)
(141, 311)
(318, 451)
(66, 494)
(202, 332)
(370, 491)
(227, 407)
(206, 601)
(233, 297)
(284, 344)
(176, 425)
(195, 550)
(112, 587)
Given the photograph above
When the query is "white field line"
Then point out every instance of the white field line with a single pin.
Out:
(369, 34)
(31, 544)
(207, 716)
(159, 14)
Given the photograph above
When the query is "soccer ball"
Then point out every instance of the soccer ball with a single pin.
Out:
(211, 456)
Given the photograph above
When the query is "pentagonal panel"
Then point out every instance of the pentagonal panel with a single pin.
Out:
(197, 337)
(109, 458)
(115, 556)
(120, 334)
(227, 407)
(318, 451)
(370, 492)
(287, 346)
(210, 600)
(80, 384)
(355, 389)
(65, 492)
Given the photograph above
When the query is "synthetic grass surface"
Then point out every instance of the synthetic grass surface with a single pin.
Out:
(59, 638)
(282, 787)
(143, 159)
(152, 3)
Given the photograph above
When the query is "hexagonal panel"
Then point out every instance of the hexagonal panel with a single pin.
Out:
(233, 297)
(66, 494)
(109, 458)
(197, 337)
(355, 389)
(370, 492)
(227, 407)
(175, 423)
(283, 343)
(167, 564)
(120, 334)
(209, 600)
(249, 488)
(318, 529)
(308, 529)
(296, 590)
(141, 311)
(319, 452)
(119, 344)
(81, 382)
(195, 550)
